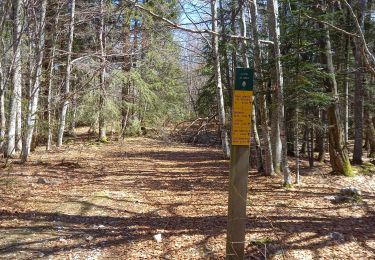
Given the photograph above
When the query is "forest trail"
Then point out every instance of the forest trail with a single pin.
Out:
(98, 201)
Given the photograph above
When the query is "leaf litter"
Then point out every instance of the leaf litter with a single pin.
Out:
(149, 199)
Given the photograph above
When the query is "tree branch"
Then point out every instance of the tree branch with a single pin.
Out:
(369, 57)
(332, 26)
(195, 25)
(204, 31)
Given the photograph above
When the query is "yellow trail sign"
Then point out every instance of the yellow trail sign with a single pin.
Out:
(241, 117)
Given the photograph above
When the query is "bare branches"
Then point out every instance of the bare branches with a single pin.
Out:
(195, 31)
(332, 26)
(369, 57)
(195, 25)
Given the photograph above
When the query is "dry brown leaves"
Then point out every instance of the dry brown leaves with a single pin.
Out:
(109, 200)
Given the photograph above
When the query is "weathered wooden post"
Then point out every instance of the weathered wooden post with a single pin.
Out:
(239, 162)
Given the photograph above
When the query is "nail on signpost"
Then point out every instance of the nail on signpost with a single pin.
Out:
(239, 162)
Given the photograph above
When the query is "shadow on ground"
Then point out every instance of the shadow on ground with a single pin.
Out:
(119, 196)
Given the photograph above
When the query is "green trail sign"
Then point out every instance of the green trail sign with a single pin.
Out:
(244, 79)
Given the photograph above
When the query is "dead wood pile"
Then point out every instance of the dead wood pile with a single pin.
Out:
(198, 131)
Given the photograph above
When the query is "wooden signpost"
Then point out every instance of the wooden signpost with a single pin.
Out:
(239, 162)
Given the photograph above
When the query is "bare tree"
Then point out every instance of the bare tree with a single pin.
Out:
(369, 57)
(15, 98)
(279, 91)
(65, 105)
(102, 42)
(359, 87)
(125, 90)
(50, 80)
(219, 87)
(255, 147)
(4, 6)
(337, 149)
(266, 144)
(35, 87)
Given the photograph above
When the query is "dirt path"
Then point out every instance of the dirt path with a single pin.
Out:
(108, 201)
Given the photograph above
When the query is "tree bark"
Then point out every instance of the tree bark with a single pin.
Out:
(267, 150)
(369, 123)
(35, 88)
(50, 82)
(371, 137)
(219, 87)
(102, 41)
(359, 88)
(311, 147)
(370, 132)
(2, 116)
(233, 28)
(296, 140)
(2, 101)
(224, 51)
(72, 130)
(279, 91)
(4, 6)
(337, 149)
(320, 137)
(15, 97)
(255, 149)
(346, 87)
(65, 105)
(275, 135)
(19, 118)
(125, 90)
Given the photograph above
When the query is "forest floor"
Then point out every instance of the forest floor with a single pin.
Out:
(107, 201)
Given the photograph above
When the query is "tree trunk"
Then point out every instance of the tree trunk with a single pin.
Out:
(125, 91)
(136, 95)
(279, 91)
(304, 142)
(369, 123)
(255, 149)
(275, 119)
(102, 41)
(219, 87)
(65, 105)
(337, 150)
(296, 140)
(50, 82)
(2, 116)
(3, 9)
(371, 136)
(311, 147)
(233, 29)
(267, 150)
(359, 88)
(72, 130)
(346, 89)
(2, 101)
(224, 51)
(275, 135)
(35, 88)
(16, 80)
(19, 118)
(320, 137)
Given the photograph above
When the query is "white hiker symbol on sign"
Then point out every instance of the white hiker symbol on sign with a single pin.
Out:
(243, 83)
